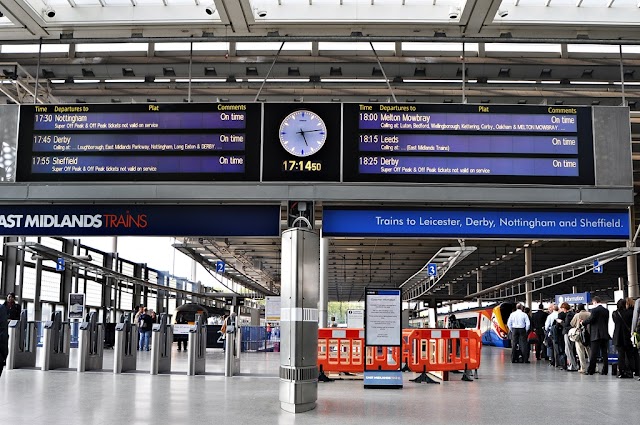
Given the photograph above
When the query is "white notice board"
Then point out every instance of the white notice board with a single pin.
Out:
(355, 319)
(272, 309)
(382, 317)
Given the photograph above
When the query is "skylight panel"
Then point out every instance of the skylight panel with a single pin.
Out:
(592, 48)
(273, 46)
(522, 47)
(439, 47)
(209, 46)
(33, 48)
(366, 47)
(112, 47)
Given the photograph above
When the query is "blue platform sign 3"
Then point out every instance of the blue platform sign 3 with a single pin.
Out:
(597, 268)
(432, 269)
(60, 264)
(220, 265)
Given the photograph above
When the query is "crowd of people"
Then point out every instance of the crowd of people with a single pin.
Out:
(573, 339)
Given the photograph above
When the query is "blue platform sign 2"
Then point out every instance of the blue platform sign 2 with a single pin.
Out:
(60, 264)
(220, 265)
(597, 267)
(432, 269)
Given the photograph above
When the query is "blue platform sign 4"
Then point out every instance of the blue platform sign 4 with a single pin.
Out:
(60, 264)
(432, 269)
(220, 265)
(597, 268)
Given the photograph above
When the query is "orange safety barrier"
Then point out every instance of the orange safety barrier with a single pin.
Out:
(443, 350)
(340, 350)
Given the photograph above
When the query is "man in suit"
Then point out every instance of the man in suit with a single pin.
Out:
(598, 322)
(537, 324)
(4, 337)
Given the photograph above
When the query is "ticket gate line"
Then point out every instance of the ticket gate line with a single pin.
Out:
(125, 348)
(90, 344)
(196, 361)
(22, 343)
(161, 345)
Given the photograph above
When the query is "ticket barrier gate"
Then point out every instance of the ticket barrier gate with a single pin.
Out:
(196, 362)
(56, 343)
(161, 340)
(232, 350)
(126, 339)
(91, 344)
(22, 343)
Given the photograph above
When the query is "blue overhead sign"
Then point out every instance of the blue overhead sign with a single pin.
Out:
(580, 298)
(597, 267)
(432, 269)
(220, 265)
(140, 220)
(60, 264)
(478, 223)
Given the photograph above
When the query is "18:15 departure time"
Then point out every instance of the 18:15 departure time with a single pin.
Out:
(292, 165)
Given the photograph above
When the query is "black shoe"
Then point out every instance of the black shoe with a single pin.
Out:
(527, 361)
(179, 349)
(603, 373)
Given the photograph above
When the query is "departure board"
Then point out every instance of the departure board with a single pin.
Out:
(139, 142)
(467, 143)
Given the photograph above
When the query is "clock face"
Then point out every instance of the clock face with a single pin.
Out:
(302, 133)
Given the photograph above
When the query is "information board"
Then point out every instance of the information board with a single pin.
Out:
(382, 317)
(467, 143)
(133, 142)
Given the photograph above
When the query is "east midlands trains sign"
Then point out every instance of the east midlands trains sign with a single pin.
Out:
(140, 220)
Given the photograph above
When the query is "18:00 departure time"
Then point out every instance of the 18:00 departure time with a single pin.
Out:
(292, 165)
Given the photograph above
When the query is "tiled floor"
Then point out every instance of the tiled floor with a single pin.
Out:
(505, 393)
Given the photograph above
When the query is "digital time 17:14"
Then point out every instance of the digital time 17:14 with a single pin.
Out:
(301, 165)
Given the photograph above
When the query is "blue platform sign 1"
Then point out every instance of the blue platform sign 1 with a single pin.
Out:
(220, 265)
(597, 267)
(60, 264)
(432, 269)
(579, 298)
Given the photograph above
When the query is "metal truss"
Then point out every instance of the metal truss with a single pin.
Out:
(208, 251)
(544, 279)
(21, 87)
(445, 259)
(73, 261)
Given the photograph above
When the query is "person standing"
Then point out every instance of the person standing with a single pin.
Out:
(4, 336)
(598, 322)
(146, 322)
(581, 348)
(519, 325)
(622, 318)
(569, 346)
(549, 328)
(636, 355)
(537, 324)
(13, 309)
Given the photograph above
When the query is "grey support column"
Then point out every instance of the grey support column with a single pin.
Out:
(528, 269)
(37, 305)
(323, 302)
(9, 265)
(632, 273)
(300, 280)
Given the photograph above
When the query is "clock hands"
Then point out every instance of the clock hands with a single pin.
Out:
(303, 137)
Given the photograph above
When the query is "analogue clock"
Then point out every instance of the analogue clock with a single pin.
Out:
(302, 133)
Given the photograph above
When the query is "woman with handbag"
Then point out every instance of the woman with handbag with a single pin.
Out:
(622, 319)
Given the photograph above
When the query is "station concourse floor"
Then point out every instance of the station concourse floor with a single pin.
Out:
(505, 393)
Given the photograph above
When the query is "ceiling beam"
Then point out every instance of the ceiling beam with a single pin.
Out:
(19, 12)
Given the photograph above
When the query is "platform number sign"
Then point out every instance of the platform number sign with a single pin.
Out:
(432, 270)
(597, 267)
(220, 265)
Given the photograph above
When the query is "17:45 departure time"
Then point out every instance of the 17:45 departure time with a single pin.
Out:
(301, 165)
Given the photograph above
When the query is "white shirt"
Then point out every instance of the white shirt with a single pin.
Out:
(518, 319)
(551, 319)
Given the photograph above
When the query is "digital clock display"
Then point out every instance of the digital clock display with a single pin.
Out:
(301, 142)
